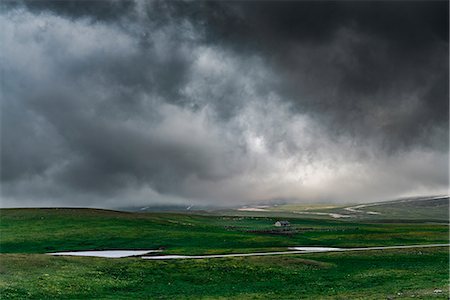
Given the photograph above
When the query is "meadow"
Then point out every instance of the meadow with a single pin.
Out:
(26, 273)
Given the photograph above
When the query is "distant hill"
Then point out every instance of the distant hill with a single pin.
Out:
(165, 208)
(431, 208)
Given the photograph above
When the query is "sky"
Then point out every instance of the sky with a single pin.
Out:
(222, 103)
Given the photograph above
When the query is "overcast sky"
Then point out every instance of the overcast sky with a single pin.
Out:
(121, 103)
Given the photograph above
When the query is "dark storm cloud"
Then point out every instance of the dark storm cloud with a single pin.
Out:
(103, 10)
(367, 54)
(111, 103)
(344, 60)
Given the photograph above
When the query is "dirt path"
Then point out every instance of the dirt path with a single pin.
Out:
(292, 252)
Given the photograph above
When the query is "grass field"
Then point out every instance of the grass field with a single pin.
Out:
(28, 274)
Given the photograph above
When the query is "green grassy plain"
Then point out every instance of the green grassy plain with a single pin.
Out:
(25, 273)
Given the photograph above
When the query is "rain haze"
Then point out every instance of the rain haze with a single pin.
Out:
(122, 103)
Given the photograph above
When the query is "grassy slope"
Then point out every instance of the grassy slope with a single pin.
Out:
(46, 230)
(371, 275)
(363, 275)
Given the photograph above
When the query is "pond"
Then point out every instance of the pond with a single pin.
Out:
(106, 253)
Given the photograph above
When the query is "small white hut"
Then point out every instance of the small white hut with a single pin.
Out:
(282, 224)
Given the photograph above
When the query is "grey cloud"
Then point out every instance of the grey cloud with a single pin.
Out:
(104, 10)
(343, 60)
(121, 103)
